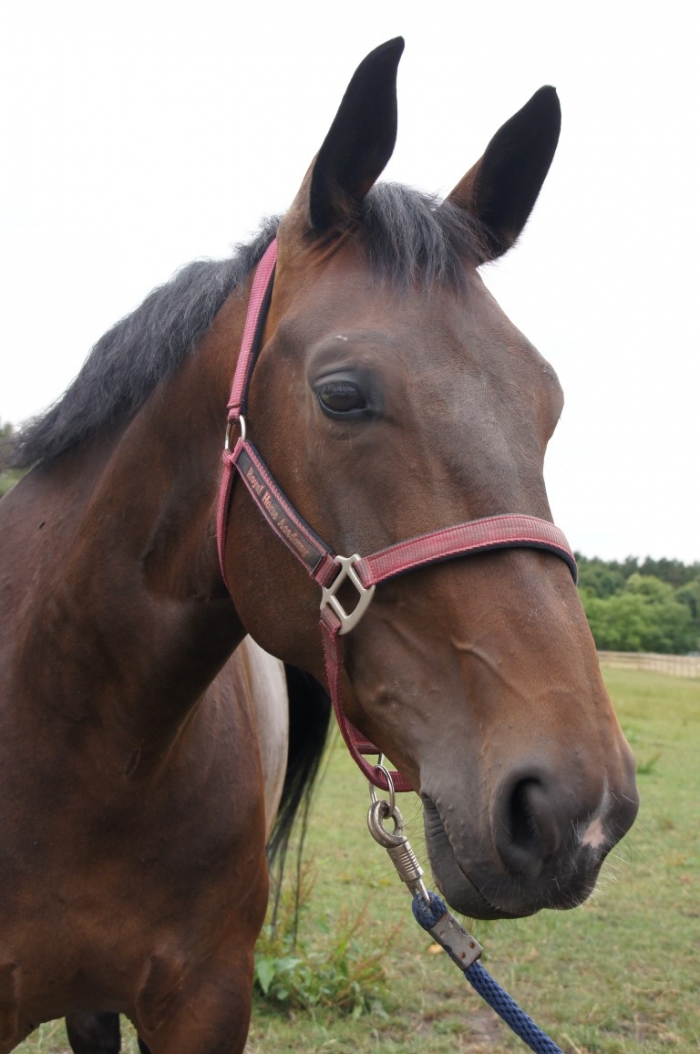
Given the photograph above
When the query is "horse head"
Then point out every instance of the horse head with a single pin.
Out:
(393, 397)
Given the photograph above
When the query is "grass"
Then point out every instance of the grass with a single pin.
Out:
(334, 965)
(616, 976)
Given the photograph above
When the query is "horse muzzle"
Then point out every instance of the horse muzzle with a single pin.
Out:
(539, 849)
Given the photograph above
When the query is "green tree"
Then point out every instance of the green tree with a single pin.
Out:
(619, 623)
(595, 576)
(690, 595)
(675, 572)
(646, 615)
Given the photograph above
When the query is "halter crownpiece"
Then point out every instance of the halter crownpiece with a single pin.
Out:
(327, 568)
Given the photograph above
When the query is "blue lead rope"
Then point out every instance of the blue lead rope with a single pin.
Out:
(429, 917)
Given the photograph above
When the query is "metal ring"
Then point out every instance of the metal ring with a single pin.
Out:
(391, 801)
(229, 427)
(378, 813)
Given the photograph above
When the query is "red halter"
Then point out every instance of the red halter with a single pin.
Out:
(325, 567)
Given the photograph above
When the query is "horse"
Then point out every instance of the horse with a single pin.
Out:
(390, 398)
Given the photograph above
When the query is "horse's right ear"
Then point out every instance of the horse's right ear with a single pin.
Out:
(359, 144)
(502, 187)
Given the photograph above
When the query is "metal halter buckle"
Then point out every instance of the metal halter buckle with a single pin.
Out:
(347, 570)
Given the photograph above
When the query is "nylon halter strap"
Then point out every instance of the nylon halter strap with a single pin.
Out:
(330, 570)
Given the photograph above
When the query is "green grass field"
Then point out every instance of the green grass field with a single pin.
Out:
(621, 975)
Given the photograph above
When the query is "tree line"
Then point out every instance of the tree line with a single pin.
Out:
(648, 605)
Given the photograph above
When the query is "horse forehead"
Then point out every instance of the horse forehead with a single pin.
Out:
(342, 284)
(431, 330)
(361, 312)
(437, 331)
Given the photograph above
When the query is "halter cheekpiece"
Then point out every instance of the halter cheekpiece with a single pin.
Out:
(327, 568)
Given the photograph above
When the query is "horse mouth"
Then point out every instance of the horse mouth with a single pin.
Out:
(488, 892)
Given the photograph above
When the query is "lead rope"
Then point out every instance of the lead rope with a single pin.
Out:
(432, 914)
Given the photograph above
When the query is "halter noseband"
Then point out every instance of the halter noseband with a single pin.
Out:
(329, 570)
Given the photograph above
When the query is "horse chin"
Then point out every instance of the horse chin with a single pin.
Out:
(500, 896)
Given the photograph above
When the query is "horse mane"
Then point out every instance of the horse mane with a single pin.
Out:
(407, 237)
(127, 363)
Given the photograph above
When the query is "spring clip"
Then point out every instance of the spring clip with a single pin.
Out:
(395, 842)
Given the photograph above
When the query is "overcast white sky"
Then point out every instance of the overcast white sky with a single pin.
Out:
(138, 136)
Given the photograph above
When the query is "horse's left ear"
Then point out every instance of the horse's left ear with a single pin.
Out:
(359, 144)
(501, 188)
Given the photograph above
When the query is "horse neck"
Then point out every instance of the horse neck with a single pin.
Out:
(126, 591)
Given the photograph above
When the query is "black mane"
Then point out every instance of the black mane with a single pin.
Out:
(127, 363)
(407, 238)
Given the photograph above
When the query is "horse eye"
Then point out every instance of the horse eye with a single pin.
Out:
(340, 397)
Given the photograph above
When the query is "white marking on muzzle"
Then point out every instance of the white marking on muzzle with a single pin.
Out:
(594, 836)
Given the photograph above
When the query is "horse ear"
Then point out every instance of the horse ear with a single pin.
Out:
(360, 141)
(501, 188)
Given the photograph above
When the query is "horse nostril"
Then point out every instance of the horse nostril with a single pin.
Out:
(524, 831)
(529, 830)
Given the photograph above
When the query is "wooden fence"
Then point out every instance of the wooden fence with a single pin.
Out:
(676, 665)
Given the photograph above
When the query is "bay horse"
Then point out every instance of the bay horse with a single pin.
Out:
(391, 398)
